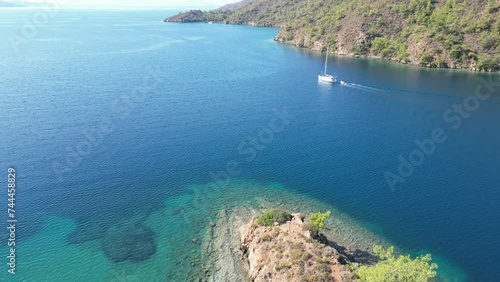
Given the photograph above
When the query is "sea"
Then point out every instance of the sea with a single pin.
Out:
(126, 135)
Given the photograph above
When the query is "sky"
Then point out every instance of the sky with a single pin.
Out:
(135, 3)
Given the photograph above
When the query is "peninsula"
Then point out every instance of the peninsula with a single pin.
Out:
(279, 246)
(435, 34)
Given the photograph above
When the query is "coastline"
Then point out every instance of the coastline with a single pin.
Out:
(318, 47)
(218, 213)
(331, 157)
(226, 209)
(197, 235)
(376, 60)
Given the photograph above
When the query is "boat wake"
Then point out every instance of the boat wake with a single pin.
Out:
(407, 93)
(361, 87)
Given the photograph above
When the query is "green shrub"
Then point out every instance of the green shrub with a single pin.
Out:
(316, 222)
(312, 278)
(272, 216)
(487, 63)
(402, 268)
(309, 227)
(279, 248)
(426, 59)
(283, 265)
(379, 44)
(318, 219)
(266, 238)
(472, 55)
(296, 254)
(359, 49)
(402, 52)
(387, 53)
(489, 41)
(492, 6)
(297, 246)
(458, 51)
(340, 14)
(440, 63)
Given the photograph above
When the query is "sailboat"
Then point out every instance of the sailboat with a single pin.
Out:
(325, 77)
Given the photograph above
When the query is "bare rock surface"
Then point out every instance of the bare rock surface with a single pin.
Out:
(287, 252)
(238, 249)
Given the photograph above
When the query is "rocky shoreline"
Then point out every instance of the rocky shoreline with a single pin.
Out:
(353, 38)
(221, 249)
(318, 46)
(237, 249)
(288, 252)
(211, 217)
(213, 236)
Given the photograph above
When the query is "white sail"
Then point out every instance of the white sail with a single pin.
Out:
(325, 77)
(326, 61)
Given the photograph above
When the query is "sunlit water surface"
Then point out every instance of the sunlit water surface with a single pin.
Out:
(115, 120)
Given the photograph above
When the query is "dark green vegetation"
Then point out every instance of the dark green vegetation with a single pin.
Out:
(272, 216)
(200, 16)
(433, 33)
(402, 268)
(317, 221)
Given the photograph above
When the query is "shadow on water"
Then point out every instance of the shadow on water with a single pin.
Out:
(356, 256)
(132, 241)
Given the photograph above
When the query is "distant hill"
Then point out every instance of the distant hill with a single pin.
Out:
(190, 16)
(462, 34)
(235, 6)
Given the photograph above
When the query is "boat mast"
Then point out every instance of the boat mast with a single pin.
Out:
(326, 60)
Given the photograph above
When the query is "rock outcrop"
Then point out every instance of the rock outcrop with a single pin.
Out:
(287, 252)
(235, 248)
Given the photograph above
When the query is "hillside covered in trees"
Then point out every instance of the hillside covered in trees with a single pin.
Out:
(462, 34)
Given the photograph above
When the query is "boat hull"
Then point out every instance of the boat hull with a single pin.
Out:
(326, 78)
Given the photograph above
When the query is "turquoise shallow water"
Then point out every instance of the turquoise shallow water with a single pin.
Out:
(114, 118)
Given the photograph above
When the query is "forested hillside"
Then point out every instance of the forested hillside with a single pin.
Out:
(434, 33)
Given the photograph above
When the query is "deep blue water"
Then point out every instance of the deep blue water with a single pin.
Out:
(219, 85)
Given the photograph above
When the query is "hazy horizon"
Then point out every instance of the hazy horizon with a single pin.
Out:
(124, 4)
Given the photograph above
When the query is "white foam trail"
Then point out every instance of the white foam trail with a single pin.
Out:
(368, 87)
(194, 38)
(361, 87)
